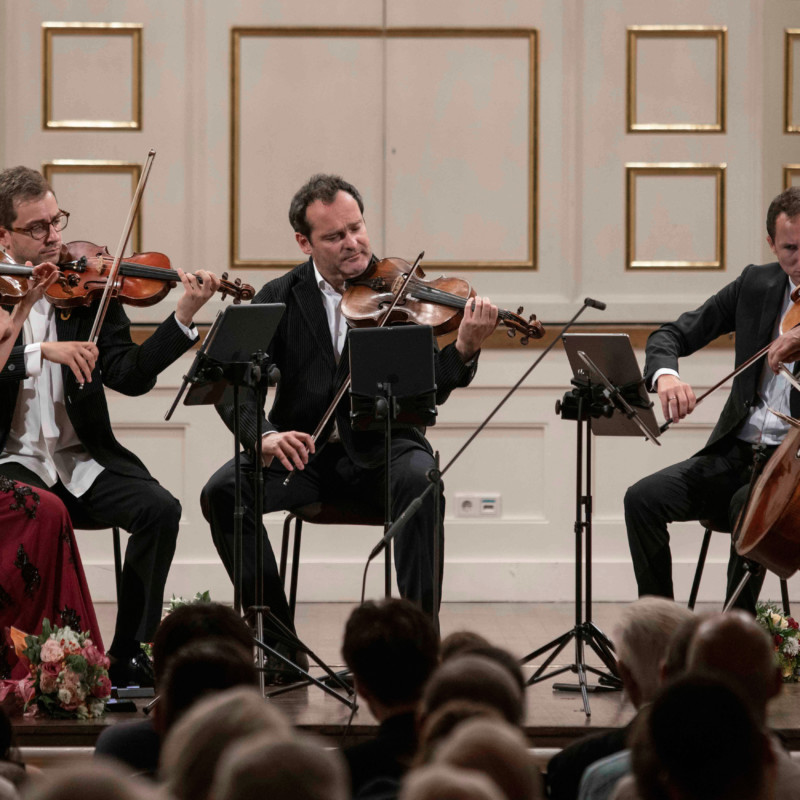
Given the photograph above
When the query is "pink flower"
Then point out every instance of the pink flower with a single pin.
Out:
(47, 682)
(102, 687)
(52, 651)
(51, 668)
(95, 657)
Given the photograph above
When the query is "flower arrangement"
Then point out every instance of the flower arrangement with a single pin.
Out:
(68, 673)
(785, 634)
(177, 602)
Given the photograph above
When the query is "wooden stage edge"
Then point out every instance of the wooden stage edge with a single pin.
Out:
(553, 719)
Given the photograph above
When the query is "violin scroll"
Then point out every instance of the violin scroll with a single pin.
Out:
(532, 329)
(236, 289)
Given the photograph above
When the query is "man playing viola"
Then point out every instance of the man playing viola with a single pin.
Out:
(344, 468)
(713, 484)
(55, 431)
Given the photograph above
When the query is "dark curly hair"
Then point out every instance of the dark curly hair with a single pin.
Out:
(318, 187)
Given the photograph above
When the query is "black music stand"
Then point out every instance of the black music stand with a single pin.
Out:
(612, 400)
(393, 386)
(232, 358)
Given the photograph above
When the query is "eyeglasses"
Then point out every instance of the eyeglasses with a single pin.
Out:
(39, 230)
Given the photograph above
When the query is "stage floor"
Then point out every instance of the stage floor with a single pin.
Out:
(553, 718)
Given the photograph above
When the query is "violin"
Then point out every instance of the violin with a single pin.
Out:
(439, 303)
(14, 284)
(144, 279)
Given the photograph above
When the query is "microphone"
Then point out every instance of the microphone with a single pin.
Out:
(598, 304)
(396, 526)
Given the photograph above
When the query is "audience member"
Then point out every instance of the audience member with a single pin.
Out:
(498, 654)
(443, 782)
(12, 768)
(391, 649)
(195, 743)
(439, 724)
(138, 744)
(700, 740)
(641, 640)
(94, 780)
(600, 779)
(478, 679)
(498, 750)
(264, 766)
(457, 641)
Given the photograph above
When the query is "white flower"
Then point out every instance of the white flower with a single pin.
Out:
(791, 646)
(775, 619)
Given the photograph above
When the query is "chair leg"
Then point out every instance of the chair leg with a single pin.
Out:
(785, 599)
(287, 528)
(387, 570)
(117, 560)
(298, 531)
(698, 574)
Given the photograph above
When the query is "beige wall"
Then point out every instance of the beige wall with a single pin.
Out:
(492, 135)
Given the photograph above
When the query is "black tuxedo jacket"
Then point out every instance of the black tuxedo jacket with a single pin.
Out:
(123, 366)
(749, 306)
(309, 376)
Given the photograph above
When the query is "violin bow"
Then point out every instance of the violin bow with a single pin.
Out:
(347, 381)
(111, 281)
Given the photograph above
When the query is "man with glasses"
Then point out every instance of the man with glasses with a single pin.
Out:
(55, 431)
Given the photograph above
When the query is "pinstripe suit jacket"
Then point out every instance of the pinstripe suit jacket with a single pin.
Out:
(303, 352)
(749, 306)
(123, 366)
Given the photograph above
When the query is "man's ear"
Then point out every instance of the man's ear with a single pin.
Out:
(771, 244)
(5, 238)
(303, 242)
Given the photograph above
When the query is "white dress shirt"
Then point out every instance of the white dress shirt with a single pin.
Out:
(42, 438)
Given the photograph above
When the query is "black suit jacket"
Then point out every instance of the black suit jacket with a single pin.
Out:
(123, 366)
(749, 306)
(309, 376)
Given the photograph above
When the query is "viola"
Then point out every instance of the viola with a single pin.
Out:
(144, 279)
(439, 303)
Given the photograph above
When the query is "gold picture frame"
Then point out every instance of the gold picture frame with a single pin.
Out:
(81, 166)
(790, 171)
(531, 34)
(53, 29)
(636, 32)
(791, 35)
(632, 172)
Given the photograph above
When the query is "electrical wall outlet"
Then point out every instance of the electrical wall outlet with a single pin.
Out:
(478, 504)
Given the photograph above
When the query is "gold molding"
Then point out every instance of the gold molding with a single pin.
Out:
(789, 170)
(789, 124)
(633, 171)
(718, 32)
(74, 166)
(51, 29)
(531, 34)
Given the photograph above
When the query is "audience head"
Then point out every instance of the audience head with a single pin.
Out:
(477, 679)
(700, 740)
(392, 648)
(89, 780)
(458, 641)
(439, 724)
(503, 657)
(195, 621)
(197, 669)
(733, 644)
(496, 749)
(643, 634)
(281, 769)
(443, 782)
(675, 659)
(197, 740)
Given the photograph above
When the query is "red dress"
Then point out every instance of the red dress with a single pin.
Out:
(41, 574)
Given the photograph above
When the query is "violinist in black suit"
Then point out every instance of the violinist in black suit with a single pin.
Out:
(310, 350)
(55, 431)
(713, 483)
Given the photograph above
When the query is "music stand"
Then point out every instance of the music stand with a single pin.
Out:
(233, 357)
(392, 387)
(608, 387)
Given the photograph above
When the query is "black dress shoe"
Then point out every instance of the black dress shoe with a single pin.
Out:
(137, 670)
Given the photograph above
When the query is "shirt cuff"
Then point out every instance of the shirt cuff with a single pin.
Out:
(659, 372)
(33, 360)
(190, 332)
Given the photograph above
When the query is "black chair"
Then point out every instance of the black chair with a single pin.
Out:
(322, 514)
(722, 527)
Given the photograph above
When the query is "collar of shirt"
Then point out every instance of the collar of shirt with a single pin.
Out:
(332, 301)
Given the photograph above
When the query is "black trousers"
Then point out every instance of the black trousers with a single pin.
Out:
(151, 515)
(330, 477)
(710, 486)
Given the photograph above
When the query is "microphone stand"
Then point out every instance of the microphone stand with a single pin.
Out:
(435, 475)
